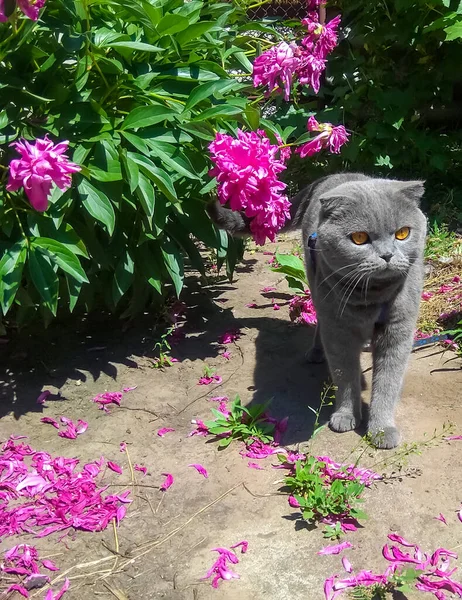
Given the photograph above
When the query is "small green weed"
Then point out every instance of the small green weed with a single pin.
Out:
(320, 497)
(163, 347)
(243, 424)
(402, 581)
(440, 242)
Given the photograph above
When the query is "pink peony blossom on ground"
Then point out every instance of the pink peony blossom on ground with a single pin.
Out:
(247, 170)
(41, 164)
(302, 310)
(329, 136)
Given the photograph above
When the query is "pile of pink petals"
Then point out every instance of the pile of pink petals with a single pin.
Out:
(229, 336)
(40, 494)
(72, 430)
(435, 571)
(302, 310)
(23, 560)
(220, 568)
(334, 470)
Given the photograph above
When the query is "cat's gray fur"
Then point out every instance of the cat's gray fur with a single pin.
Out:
(353, 285)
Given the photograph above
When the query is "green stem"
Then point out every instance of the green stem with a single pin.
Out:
(257, 4)
(13, 207)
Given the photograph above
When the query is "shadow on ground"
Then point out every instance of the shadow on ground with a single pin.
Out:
(99, 345)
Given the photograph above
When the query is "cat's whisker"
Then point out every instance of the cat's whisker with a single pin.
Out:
(352, 287)
(336, 271)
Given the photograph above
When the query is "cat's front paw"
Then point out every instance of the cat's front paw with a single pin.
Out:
(315, 356)
(344, 421)
(386, 438)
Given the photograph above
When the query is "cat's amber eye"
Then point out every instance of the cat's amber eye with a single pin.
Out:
(359, 237)
(402, 233)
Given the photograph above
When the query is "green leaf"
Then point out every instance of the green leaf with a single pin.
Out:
(146, 194)
(179, 163)
(158, 176)
(133, 173)
(222, 110)
(174, 263)
(97, 204)
(44, 278)
(136, 141)
(144, 116)
(454, 32)
(123, 277)
(225, 442)
(195, 31)
(141, 46)
(74, 287)
(11, 268)
(60, 255)
(172, 23)
(203, 91)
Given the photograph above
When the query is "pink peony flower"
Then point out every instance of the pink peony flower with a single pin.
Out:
(247, 172)
(41, 164)
(167, 483)
(275, 68)
(309, 72)
(162, 432)
(329, 136)
(321, 39)
(200, 469)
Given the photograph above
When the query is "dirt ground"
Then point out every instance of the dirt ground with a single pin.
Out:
(166, 538)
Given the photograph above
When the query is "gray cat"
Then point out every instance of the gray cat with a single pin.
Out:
(364, 242)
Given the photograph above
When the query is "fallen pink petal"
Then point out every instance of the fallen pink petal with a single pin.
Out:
(107, 398)
(168, 482)
(253, 465)
(50, 565)
(219, 399)
(347, 565)
(200, 469)
(123, 446)
(129, 389)
(336, 549)
(229, 336)
(453, 437)
(50, 421)
(82, 426)
(293, 502)
(208, 380)
(43, 397)
(201, 428)
(226, 355)
(18, 588)
(114, 467)
(276, 306)
(242, 545)
(141, 469)
(251, 305)
(220, 569)
(441, 518)
(268, 288)
(164, 430)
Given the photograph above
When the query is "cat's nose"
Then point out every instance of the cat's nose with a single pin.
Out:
(386, 257)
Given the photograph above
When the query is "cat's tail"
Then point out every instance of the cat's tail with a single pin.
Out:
(238, 225)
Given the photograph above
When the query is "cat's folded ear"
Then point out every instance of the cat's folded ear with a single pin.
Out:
(330, 201)
(413, 190)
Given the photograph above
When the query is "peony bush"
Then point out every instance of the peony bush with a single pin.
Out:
(119, 122)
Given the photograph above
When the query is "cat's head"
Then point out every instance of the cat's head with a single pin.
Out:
(375, 226)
